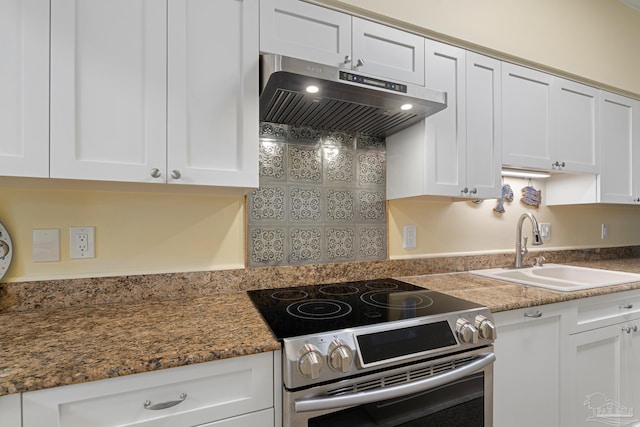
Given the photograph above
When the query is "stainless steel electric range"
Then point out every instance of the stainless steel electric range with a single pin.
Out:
(381, 353)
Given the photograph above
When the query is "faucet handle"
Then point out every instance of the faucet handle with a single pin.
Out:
(539, 261)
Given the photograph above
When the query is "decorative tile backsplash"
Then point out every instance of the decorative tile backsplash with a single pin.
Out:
(321, 198)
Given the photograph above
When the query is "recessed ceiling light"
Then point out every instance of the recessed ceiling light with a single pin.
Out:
(312, 89)
(405, 107)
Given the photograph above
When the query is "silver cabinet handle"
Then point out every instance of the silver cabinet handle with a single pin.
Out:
(347, 59)
(535, 315)
(626, 306)
(465, 190)
(175, 174)
(163, 405)
(155, 173)
(629, 329)
(473, 190)
(360, 63)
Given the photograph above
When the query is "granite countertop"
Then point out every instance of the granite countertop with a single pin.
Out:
(48, 348)
(54, 347)
(501, 296)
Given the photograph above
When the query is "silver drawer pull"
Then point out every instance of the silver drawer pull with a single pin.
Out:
(626, 306)
(629, 329)
(163, 405)
(534, 315)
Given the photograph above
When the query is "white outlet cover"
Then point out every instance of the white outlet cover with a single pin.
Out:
(545, 231)
(82, 242)
(409, 237)
(46, 245)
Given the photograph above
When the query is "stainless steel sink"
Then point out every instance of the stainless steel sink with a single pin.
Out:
(560, 277)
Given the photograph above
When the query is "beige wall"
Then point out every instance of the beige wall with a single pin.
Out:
(140, 231)
(466, 227)
(594, 39)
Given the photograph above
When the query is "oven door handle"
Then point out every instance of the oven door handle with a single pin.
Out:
(319, 404)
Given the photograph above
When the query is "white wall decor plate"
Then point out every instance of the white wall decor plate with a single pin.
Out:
(6, 251)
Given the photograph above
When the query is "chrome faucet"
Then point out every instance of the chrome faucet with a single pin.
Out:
(521, 250)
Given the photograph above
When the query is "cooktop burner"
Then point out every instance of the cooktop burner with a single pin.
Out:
(311, 309)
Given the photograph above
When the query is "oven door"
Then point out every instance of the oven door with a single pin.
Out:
(452, 390)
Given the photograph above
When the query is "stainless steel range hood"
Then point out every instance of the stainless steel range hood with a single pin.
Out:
(345, 100)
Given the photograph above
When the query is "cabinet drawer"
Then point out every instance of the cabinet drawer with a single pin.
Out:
(606, 310)
(201, 393)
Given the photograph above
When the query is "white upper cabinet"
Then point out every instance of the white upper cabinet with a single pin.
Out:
(24, 88)
(484, 125)
(389, 52)
(574, 131)
(620, 142)
(455, 152)
(213, 93)
(313, 33)
(137, 96)
(446, 131)
(108, 89)
(549, 123)
(526, 117)
(305, 31)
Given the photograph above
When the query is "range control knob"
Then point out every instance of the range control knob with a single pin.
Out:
(466, 331)
(486, 328)
(310, 362)
(340, 356)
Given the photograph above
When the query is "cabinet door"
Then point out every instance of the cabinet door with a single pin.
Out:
(484, 133)
(108, 89)
(526, 117)
(575, 127)
(388, 52)
(24, 88)
(631, 370)
(595, 361)
(446, 131)
(213, 92)
(527, 368)
(10, 410)
(305, 31)
(619, 141)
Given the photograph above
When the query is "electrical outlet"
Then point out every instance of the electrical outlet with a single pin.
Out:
(81, 242)
(604, 231)
(545, 231)
(409, 237)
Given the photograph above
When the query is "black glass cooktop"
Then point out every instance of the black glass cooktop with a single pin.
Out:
(311, 309)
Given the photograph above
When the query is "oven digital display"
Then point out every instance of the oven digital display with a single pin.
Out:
(385, 345)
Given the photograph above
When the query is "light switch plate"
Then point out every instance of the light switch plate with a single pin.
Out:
(46, 245)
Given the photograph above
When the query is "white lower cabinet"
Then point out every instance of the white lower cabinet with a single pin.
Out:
(569, 364)
(255, 419)
(601, 376)
(527, 368)
(236, 392)
(10, 411)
